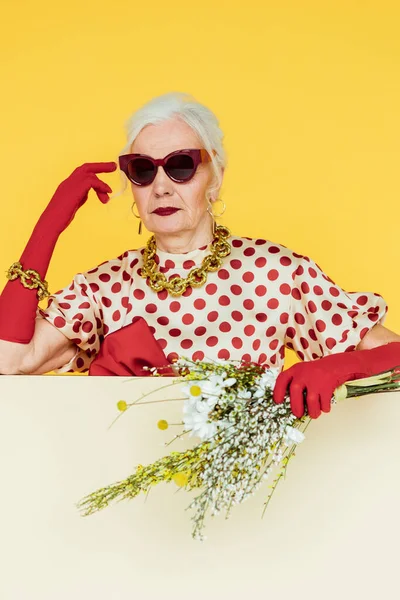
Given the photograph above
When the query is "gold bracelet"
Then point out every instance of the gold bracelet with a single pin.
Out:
(29, 279)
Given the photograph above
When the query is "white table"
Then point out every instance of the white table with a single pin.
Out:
(331, 529)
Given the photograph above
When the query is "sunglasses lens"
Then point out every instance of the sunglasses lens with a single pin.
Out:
(180, 167)
(141, 171)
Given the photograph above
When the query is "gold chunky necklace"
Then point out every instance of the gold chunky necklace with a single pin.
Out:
(197, 276)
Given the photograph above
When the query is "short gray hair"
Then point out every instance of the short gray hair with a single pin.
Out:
(200, 118)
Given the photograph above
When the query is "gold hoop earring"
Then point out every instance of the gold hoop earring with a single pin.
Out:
(210, 208)
(137, 217)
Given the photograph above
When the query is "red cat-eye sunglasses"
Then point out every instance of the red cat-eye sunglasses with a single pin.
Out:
(180, 166)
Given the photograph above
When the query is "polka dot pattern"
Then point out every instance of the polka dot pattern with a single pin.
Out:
(263, 299)
(323, 317)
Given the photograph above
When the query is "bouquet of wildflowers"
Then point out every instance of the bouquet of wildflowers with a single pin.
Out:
(243, 436)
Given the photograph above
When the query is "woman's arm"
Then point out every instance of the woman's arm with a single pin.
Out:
(49, 349)
(377, 336)
(27, 344)
(337, 335)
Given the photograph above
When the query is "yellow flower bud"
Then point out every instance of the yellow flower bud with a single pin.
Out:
(122, 405)
(180, 479)
(162, 424)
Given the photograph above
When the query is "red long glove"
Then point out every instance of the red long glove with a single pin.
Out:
(314, 382)
(18, 304)
(126, 351)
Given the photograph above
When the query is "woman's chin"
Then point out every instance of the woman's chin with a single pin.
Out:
(166, 225)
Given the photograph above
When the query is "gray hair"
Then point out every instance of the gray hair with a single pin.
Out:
(200, 118)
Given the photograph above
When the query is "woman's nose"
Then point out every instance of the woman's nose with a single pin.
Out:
(162, 184)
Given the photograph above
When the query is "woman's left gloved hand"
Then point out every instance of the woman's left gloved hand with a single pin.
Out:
(312, 383)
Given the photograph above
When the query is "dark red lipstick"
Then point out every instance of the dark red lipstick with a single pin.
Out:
(165, 211)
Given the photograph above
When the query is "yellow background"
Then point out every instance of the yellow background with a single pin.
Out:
(307, 93)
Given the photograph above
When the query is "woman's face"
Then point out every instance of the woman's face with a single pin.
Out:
(189, 198)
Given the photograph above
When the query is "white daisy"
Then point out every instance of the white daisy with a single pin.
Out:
(293, 435)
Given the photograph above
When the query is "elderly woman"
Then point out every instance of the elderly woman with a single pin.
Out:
(194, 289)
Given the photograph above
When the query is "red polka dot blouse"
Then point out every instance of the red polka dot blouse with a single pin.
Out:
(264, 298)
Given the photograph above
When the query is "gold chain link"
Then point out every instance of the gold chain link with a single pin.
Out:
(220, 248)
(29, 279)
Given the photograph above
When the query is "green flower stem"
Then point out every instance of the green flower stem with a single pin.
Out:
(161, 470)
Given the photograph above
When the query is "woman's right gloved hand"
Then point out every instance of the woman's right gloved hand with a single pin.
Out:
(18, 304)
(72, 193)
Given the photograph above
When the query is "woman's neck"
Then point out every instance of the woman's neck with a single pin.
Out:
(184, 241)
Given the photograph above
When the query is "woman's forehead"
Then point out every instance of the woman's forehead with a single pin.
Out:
(161, 139)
